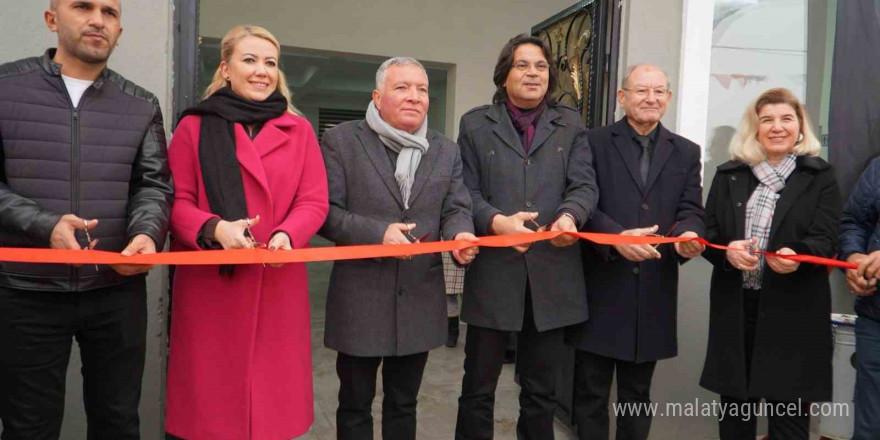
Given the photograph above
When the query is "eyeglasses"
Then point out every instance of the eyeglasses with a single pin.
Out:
(523, 66)
(643, 92)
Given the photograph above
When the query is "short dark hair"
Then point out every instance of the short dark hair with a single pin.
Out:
(505, 63)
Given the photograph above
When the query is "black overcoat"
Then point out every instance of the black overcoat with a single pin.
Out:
(633, 306)
(792, 349)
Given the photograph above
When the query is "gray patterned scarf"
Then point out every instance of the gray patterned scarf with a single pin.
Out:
(759, 210)
(409, 148)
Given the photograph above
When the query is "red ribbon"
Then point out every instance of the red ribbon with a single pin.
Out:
(263, 256)
(831, 262)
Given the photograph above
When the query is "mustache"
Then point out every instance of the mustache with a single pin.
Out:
(95, 31)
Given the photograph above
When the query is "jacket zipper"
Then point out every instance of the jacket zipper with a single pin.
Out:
(74, 165)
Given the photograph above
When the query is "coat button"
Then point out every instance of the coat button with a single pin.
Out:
(739, 204)
(733, 178)
(528, 162)
(636, 270)
(529, 204)
(401, 292)
(645, 206)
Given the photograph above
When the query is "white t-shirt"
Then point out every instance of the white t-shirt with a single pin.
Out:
(76, 88)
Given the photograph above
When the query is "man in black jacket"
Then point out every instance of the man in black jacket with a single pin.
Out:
(650, 182)
(84, 166)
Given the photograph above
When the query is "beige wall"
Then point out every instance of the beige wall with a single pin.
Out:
(143, 56)
(467, 33)
(651, 33)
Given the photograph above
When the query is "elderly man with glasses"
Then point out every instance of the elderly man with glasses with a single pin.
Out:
(650, 182)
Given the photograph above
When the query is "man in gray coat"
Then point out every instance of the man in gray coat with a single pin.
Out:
(527, 161)
(390, 180)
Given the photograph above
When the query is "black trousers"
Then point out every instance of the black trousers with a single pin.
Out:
(537, 363)
(593, 377)
(781, 426)
(401, 380)
(36, 332)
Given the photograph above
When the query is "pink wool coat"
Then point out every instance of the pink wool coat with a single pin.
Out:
(240, 359)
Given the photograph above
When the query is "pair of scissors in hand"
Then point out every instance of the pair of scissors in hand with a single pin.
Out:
(90, 244)
(668, 233)
(413, 239)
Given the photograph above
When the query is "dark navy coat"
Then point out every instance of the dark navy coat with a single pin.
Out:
(633, 306)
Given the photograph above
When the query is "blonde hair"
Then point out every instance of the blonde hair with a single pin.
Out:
(227, 47)
(745, 147)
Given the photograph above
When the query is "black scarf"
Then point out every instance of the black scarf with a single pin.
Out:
(221, 173)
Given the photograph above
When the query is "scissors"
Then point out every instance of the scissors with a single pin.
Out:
(413, 239)
(538, 228)
(753, 250)
(250, 235)
(88, 238)
(668, 233)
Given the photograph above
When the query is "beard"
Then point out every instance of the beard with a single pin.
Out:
(74, 43)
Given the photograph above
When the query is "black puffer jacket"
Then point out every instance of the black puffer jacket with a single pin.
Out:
(105, 160)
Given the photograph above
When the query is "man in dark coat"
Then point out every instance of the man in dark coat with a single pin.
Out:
(650, 182)
(82, 165)
(860, 244)
(526, 163)
(391, 180)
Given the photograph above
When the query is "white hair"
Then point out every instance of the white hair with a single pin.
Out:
(632, 68)
(396, 61)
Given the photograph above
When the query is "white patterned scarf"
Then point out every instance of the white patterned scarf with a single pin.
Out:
(759, 210)
(410, 147)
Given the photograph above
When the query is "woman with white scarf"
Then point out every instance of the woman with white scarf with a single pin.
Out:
(769, 331)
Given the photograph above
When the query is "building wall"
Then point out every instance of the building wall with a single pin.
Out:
(143, 56)
(466, 33)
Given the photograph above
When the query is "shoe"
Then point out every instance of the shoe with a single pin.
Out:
(452, 335)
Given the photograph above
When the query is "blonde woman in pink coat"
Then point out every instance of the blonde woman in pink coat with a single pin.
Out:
(248, 172)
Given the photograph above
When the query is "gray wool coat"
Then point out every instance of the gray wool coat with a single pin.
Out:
(387, 306)
(554, 176)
